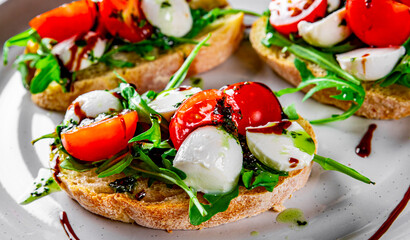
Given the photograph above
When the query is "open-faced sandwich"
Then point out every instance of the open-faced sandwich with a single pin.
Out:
(183, 158)
(76, 47)
(353, 54)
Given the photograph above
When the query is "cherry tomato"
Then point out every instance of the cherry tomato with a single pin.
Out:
(124, 18)
(379, 23)
(66, 21)
(286, 14)
(253, 104)
(102, 139)
(195, 112)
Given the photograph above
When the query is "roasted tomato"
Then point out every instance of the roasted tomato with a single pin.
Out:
(66, 21)
(252, 104)
(379, 23)
(195, 112)
(124, 18)
(102, 139)
(286, 14)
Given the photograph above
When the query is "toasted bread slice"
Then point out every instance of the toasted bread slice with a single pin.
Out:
(391, 102)
(167, 208)
(227, 33)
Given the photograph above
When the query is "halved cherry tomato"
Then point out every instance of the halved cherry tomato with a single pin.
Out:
(286, 14)
(379, 23)
(124, 18)
(66, 21)
(253, 104)
(102, 139)
(195, 112)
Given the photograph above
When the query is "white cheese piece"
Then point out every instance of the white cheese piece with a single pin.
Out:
(332, 5)
(212, 160)
(369, 64)
(282, 152)
(92, 104)
(77, 57)
(172, 17)
(166, 103)
(325, 32)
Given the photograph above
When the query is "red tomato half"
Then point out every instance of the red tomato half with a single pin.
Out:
(379, 23)
(101, 140)
(124, 18)
(66, 21)
(253, 104)
(286, 14)
(195, 112)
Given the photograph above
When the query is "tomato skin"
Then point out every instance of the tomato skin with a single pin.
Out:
(195, 112)
(286, 14)
(253, 104)
(379, 23)
(102, 139)
(66, 21)
(123, 17)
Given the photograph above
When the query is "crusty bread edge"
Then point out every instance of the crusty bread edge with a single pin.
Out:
(174, 214)
(154, 75)
(391, 102)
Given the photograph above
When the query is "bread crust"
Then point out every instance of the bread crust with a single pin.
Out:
(167, 208)
(227, 33)
(392, 102)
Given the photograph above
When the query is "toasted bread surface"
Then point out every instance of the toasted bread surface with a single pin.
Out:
(227, 33)
(392, 102)
(167, 208)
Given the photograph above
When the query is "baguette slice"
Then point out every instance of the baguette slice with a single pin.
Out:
(227, 33)
(167, 208)
(391, 102)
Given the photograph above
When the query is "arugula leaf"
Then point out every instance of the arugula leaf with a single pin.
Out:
(349, 91)
(180, 75)
(70, 163)
(43, 185)
(20, 40)
(217, 203)
(399, 75)
(325, 60)
(118, 167)
(330, 164)
(153, 134)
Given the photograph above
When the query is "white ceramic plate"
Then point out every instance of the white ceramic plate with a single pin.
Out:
(336, 206)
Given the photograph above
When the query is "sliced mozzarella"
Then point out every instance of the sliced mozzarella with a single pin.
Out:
(332, 5)
(284, 148)
(166, 103)
(325, 32)
(212, 160)
(369, 64)
(92, 104)
(172, 17)
(77, 57)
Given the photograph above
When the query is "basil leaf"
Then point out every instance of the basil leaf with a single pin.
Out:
(267, 180)
(330, 164)
(324, 60)
(49, 72)
(217, 203)
(349, 91)
(246, 177)
(43, 185)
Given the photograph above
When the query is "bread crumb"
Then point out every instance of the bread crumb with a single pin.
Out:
(169, 231)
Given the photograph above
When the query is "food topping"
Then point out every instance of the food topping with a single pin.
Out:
(212, 160)
(284, 146)
(369, 64)
(326, 32)
(286, 14)
(172, 17)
